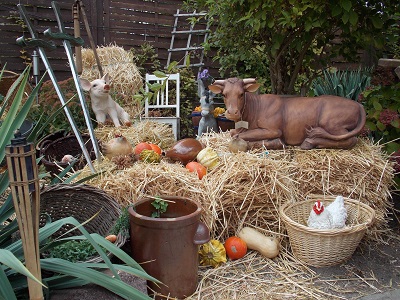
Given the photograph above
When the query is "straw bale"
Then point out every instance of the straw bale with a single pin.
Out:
(143, 131)
(362, 173)
(247, 188)
(125, 76)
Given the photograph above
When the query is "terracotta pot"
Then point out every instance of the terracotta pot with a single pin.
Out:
(196, 116)
(224, 124)
(168, 245)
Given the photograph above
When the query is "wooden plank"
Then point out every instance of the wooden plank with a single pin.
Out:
(128, 24)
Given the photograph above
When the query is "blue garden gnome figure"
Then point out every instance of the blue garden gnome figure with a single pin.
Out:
(207, 122)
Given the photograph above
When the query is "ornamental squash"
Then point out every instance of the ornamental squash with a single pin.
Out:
(255, 240)
(208, 157)
(149, 156)
(212, 254)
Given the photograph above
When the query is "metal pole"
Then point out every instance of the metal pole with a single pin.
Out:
(60, 95)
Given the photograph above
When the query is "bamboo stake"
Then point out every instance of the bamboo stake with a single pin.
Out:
(24, 184)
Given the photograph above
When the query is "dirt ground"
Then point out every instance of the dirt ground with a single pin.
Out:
(372, 269)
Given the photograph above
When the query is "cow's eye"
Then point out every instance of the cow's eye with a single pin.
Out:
(94, 85)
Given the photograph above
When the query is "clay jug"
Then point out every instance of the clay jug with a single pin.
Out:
(184, 150)
(168, 246)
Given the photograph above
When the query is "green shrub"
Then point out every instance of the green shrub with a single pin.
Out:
(382, 105)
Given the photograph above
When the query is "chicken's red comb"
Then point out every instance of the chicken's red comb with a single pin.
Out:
(318, 207)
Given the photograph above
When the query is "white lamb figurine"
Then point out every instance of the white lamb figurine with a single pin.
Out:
(102, 103)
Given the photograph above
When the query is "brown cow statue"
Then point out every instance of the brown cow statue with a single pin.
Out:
(274, 121)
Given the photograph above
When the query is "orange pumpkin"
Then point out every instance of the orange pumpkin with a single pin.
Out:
(112, 238)
(155, 148)
(235, 247)
(142, 146)
(194, 166)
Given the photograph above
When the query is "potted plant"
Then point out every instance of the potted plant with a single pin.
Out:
(165, 233)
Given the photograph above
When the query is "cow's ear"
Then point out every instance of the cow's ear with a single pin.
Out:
(252, 87)
(215, 88)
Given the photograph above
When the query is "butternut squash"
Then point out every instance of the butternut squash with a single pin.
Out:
(255, 240)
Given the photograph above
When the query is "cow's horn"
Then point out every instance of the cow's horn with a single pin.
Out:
(249, 80)
(219, 82)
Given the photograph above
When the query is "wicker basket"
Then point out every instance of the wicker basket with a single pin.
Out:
(8, 78)
(43, 142)
(54, 151)
(322, 247)
(81, 202)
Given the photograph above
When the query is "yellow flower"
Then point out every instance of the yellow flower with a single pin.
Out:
(218, 111)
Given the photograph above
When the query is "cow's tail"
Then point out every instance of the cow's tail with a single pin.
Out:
(319, 132)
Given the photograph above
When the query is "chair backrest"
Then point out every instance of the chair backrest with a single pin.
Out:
(167, 98)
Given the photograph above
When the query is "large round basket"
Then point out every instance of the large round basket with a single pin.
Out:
(325, 247)
(54, 151)
(82, 202)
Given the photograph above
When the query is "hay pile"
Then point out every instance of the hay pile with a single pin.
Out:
(125, 76)
(246, 190)
(144, 131)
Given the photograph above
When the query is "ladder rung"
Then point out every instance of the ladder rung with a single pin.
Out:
(185, 49)
(192, 31)
(190, 65)
(191, 15)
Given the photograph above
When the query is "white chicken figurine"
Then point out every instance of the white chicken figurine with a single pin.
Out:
(319, 217)
(330, 217)
(338, 212)
(117, 146)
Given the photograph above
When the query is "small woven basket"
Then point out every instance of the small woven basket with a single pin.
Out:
(325, 247)
(81, 202)
(54, 151)
(8, 78)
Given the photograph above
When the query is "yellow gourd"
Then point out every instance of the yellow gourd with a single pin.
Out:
(208, 158)
(212, 254)
(255, 240)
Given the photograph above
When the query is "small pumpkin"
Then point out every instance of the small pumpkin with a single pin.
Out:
(208, 157)
(197, 168)
(112, 238)
(212, 254)
(235, 247)
(156, 148)
(142, 146)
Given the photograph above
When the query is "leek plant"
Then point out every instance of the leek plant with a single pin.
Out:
(64, 274)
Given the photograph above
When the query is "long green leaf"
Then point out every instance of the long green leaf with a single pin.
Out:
(113, 284)
(64, 282)
(7, 258)
(16, 115)
(6, 291)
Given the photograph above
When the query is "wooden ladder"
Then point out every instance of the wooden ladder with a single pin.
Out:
(189, 46)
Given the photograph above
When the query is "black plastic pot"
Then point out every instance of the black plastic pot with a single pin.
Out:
(167, 247)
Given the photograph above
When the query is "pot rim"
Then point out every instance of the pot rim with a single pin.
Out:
(145, 199)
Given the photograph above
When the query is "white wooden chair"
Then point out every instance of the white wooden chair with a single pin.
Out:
(164, 101)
